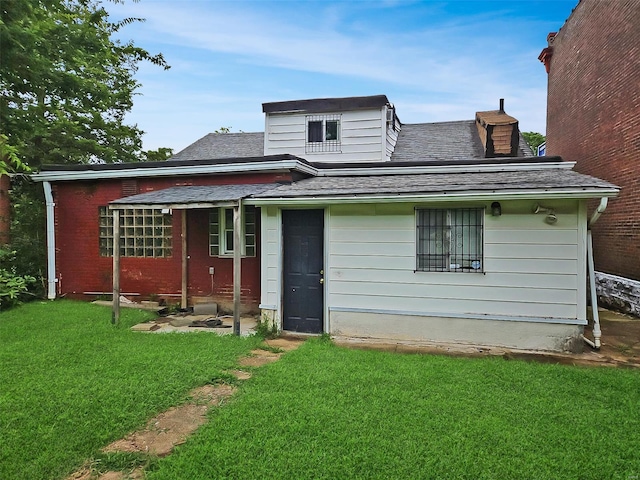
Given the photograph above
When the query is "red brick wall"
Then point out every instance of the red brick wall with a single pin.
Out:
(80, 268)
(593, 118)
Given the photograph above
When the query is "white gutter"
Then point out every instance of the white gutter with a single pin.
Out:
(51, 242)
(385, 168)
(597, 331)
(251, 167)
(599, 211)
(436, 197)
(389, 169)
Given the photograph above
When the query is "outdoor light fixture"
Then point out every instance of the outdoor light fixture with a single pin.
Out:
(551, 217)
(496, 209)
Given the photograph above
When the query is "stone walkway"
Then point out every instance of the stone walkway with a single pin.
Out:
(173, 427)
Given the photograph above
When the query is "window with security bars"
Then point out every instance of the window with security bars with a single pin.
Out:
(144, 232)
(323, 133)
(221, 232)
(449, 239)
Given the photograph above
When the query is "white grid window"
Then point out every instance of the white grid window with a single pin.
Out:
(323, 133)
(449, 240)
(143, 233)
(221, 232)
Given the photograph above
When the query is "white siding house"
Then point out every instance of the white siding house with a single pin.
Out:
(530, 292)
(447, 232)
(364, 132)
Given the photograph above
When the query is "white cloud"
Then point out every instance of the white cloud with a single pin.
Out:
(454, 67)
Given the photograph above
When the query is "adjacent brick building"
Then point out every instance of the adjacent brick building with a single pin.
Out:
(593, 117)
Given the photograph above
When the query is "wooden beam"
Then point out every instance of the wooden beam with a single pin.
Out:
(237, 256)
(115, 314)
(185, 258)
(174, 206)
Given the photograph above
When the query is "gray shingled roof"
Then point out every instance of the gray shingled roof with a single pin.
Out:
(438, 183)
(443, 141)
(419, 142)
(194, 194)
(224, 145)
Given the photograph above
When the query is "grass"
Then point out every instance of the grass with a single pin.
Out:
(71, 383)
(328, 412)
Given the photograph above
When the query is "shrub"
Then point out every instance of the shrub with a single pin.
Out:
(13, 287)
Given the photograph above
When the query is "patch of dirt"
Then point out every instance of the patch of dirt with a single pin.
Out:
(87, 474)
(259, 358)
(285, 343)
(174, 426)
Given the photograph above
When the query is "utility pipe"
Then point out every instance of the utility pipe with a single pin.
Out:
(597, 332)
(51, 241)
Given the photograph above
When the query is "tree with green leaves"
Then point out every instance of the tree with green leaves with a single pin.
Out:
(159, 155)
(66, 84)
(534, 139)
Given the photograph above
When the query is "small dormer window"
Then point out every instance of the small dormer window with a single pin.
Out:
(323, 133)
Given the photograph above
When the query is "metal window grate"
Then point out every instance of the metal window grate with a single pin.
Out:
(449, 240)
(323, 133)
(143, 233)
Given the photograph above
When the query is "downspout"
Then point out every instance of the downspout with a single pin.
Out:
(597, 332)
(51, 241)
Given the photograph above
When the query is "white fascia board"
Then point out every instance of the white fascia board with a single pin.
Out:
(438, 197)
(228, 168)
(174, 206)
(390, 170)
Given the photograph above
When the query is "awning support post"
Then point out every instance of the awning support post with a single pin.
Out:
(237, 256)
(115, 314)
(185, 258)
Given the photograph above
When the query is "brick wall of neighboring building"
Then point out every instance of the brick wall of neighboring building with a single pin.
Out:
(593, 118)
(80, 268)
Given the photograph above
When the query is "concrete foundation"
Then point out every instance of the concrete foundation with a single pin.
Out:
(524, 335)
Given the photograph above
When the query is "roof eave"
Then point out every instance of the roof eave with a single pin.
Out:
(468, 196)
(212, 169)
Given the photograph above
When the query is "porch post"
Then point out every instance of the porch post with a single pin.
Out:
(115, 314)
(237, 255)
(184, 286)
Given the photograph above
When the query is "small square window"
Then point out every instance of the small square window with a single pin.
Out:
(323, 133)
(449, 240)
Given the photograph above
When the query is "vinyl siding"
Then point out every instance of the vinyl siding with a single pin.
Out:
(361, 137)
(271, 258)
(531, 268)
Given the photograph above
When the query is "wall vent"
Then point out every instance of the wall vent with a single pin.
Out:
(129, 187)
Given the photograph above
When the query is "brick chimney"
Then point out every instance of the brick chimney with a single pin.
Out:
(499, 133)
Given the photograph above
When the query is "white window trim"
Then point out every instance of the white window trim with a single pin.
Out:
(223, 252)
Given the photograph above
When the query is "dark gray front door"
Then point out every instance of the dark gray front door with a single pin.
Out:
(303, 297)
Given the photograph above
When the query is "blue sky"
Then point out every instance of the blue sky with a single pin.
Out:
(435, 60)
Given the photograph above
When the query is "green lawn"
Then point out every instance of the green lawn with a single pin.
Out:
(329, 412)
(70, 382)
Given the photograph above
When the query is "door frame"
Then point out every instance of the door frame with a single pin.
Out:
(325, 263)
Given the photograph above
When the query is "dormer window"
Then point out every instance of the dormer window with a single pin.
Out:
(323, 133)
